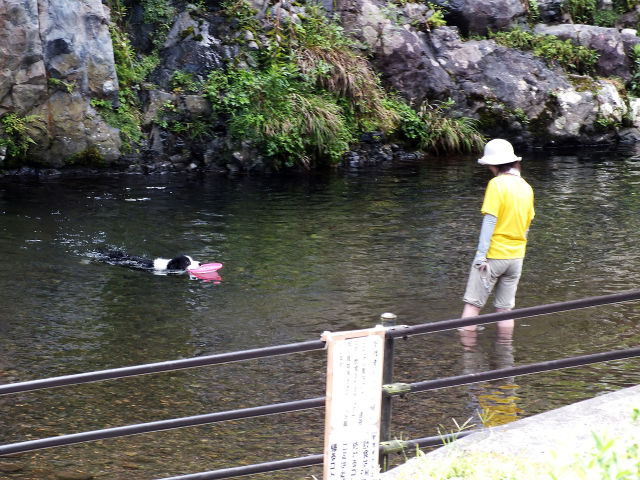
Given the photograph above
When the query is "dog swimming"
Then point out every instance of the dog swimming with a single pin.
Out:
(178, 264)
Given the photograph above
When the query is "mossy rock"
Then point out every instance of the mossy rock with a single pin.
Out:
(91, 157)
(583, 83)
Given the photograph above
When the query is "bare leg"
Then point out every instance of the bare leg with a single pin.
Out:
(468, 334)
(505, 327)
(470, 311)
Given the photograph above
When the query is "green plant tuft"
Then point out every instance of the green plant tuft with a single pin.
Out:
(448, 135)
(91, 157)
(289, 123)
(161, 14)
(434, 131)
(171, 118)
(131, 70)
(15, 134)
(57, 84)
(605, 18)
(575, 59)
(534, 10)
(634, 83)
(437, 17)
(184, 82)
(126, 117)
(241, 11)
(582, 11)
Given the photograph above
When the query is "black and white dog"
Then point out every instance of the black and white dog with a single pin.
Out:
(177, 264)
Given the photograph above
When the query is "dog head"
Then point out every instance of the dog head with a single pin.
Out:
(182, 262)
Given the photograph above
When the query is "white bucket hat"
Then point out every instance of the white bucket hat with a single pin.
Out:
(498, 152)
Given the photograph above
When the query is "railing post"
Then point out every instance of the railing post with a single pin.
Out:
(387, 320)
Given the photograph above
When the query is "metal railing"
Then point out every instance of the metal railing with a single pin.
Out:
(389, 389)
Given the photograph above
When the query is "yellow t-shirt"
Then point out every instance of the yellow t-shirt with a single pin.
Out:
(509, 198)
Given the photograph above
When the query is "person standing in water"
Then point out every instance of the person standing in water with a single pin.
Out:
(508, 212)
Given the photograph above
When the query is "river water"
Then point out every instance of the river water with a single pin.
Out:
(301, 254)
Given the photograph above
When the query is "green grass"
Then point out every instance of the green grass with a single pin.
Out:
(458, 466)
(609, 457)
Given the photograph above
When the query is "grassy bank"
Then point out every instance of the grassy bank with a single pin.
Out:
(608, 457)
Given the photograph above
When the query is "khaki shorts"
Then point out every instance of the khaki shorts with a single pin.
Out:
(503, 275)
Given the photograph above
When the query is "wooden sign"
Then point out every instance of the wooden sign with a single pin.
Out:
(354, 397)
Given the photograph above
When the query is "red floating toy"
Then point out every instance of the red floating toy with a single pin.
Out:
(207, 271)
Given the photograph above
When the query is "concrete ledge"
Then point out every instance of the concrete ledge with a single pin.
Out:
(551, 436)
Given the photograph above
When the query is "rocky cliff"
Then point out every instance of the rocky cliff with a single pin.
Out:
(54, 58)
(58, 69)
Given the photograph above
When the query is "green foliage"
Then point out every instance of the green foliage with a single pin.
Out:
(443, 134)
(131, 69)
(437, 17)
(56, 83)
(15, 134)
(627, 5)
(432, 130)
(534, 9)
(126, 117)
(311, 95)
(324, 58)
(411, 126)
(521, 116)
(184, 82)
(496, 115)
(158, 11)
(582, 11)
(318, 32)
(308, 99)
(610, 459)
(166, 111)
(190, 31)
(485, 466)
(605, 18)
(605, 124)
(171, 118)
(90, 157)
(634, 84)
(276, 110)
(576, 59)
(450, 436)
(119, 11)
(241, 11)
(587, 11)
(161, 14)
(393, 12)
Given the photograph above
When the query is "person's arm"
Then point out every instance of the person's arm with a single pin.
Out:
(488, 225)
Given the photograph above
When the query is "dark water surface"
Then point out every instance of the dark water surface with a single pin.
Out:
(301, 255)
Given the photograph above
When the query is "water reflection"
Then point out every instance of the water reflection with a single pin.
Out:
(493, 403)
